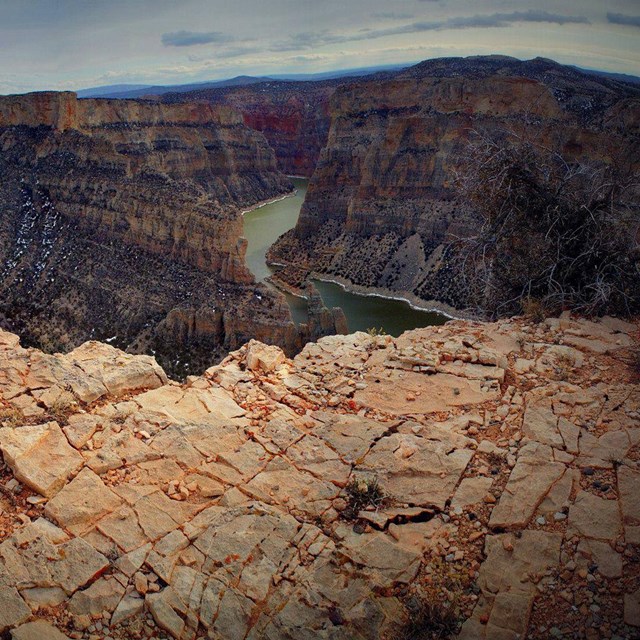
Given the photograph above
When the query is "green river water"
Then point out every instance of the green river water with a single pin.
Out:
(262, 226)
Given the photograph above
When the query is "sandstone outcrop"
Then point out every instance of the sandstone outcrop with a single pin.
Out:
(382, 202)
(120, 221)
(492, 466)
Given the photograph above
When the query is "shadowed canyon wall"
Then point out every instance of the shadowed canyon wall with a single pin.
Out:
(382, 202)
(120, 220)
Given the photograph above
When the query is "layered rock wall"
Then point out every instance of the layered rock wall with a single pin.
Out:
(293, 116)
(383, 199)
(115, 213)
(100, 143)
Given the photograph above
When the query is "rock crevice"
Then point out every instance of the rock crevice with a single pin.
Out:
(320, 496)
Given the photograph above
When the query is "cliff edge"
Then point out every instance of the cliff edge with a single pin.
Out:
(484, 477)
(383, 203)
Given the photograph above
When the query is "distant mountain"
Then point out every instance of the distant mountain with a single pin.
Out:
(99, 92)
(621, 77)
(344, 73)
(143, 91)
(129, 91)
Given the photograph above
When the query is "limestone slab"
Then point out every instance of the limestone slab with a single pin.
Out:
(37, 630)
(13, 609)
(416, 470)
(389, 392)
(40, 456)
(629, 488)
(529, 482)
(595, 517)
(512, 562)
(82, 502)
(541, 424)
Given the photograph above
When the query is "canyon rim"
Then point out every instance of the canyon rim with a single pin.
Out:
(195, 440)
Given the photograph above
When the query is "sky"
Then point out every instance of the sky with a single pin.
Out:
(75, 44)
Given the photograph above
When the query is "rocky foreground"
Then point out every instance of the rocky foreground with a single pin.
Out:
(480, 474)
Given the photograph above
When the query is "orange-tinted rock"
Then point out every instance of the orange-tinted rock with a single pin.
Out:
(293, 116)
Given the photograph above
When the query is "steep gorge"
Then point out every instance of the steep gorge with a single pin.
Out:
(121, 221)
(293, 116)
(382, 202)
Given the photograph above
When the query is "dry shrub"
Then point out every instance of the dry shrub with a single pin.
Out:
(61, 409)
(428, 620)
(534, 310)
(554, 233)
(362, 493)
(11, 417)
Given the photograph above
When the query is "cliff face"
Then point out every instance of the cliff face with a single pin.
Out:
(487, 471)
(293, 116)
(115, 213)
(382, 200)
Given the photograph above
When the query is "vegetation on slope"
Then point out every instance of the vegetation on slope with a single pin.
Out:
(556, 234)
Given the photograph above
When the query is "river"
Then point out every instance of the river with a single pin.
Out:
(262, 226)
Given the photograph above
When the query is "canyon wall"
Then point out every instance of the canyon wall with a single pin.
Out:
(120, 220)
(293, 116)
(383, 201)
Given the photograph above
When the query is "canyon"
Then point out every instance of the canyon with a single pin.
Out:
(121, 218)
(121, 221)
(180, 459)
(383, 203)
(482, 477)
(384, 153)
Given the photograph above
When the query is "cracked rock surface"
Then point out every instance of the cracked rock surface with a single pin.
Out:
(497, 468)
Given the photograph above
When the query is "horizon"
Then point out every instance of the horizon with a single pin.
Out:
(289, 77)
(75, 44)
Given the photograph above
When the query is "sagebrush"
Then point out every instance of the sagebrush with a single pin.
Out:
(555, 233)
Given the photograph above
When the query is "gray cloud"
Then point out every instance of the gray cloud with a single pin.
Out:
(392, 15)
(311, 39)
(191, 38)
(231, 52)
(621, 18)
(506, 19)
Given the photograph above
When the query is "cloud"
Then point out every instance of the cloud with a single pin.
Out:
(312, 39)
(621, 18)
(506, 19)
(191, 38)
(392, 15)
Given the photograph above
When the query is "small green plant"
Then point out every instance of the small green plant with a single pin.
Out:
(374, 331)
(534, 310)
(362, 493)
(521, 341)
(428, 620)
